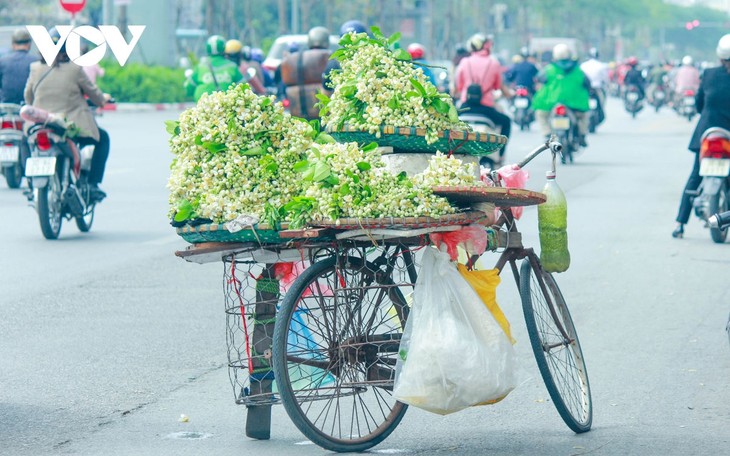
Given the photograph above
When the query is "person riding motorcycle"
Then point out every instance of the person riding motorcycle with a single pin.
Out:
(686, 78)
(417, 51)
(61, 88)
(597, 72)
(234, 52)
(523, 73)
(482, 71)
(213, 73)
(15, 68)
(634, 78)
(713, 103)
(563, 82)
(657, 79)
(302, 74)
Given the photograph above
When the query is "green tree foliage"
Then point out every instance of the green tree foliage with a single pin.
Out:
(137, 83)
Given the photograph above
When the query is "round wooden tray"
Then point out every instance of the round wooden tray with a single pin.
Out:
(500, 196)
(462, 218)
(412, 139)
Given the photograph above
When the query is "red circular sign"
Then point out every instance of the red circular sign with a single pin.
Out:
(73, 6)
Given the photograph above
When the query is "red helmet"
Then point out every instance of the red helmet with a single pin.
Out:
(416, 50)
(633, 61)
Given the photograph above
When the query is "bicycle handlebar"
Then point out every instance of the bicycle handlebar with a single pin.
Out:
(721, 220)
(554, 146)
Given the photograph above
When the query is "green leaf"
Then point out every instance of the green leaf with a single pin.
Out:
(337, 54)
(324, 99)
(185, 211)
(198, 140)
(393, 103)
(214, 147)
(346, 40)
(394, 38)
(321, 171)
(301, 166)
(258, 150)
(324, 138)
(453, 114)
(381, 74)
(332, 180)
(272, 167)
(347, 90)
(412, 94)
(440, 106)
(418, 87)
(364, 166)
(172, 127)
(265, 101)
(370, 147)
(403, 55)
(345, 190)
(377, 33)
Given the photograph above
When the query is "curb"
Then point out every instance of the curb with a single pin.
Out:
(139, 107)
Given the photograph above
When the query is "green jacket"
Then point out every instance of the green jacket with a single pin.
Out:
(563, 84)
(202, 80)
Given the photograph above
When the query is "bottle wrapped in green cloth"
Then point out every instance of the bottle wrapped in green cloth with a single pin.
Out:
(552, 217)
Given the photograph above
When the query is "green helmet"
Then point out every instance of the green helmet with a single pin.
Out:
(216, 45)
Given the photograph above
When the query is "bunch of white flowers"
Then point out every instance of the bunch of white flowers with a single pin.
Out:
(445, 170)
(377, 86)
(234, 155)
(347, 181)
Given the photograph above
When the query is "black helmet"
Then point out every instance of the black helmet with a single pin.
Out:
(353, 26)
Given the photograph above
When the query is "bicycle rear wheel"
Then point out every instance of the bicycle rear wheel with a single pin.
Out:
(335, 346)
(555, 345)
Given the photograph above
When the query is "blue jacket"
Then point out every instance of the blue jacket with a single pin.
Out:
(14, 71)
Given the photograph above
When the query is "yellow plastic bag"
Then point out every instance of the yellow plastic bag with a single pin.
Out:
(485, 284)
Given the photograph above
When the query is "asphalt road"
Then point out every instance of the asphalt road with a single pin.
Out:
(107, 338)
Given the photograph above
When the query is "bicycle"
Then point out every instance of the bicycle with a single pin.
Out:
(338, 328)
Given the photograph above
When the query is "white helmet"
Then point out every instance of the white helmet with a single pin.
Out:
(687, 60)
(723, 47)
(476, 42)
(561, 52)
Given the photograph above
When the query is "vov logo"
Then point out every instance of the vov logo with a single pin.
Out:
(71, 36)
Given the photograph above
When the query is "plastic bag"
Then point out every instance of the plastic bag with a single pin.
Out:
(453, 354)
(514, 177)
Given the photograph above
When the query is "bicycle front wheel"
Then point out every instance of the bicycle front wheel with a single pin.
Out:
(555, 345)
(335, 346)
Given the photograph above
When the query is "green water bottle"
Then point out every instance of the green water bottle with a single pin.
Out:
(552, 222)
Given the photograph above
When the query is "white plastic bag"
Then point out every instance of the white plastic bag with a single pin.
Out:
(453, 354)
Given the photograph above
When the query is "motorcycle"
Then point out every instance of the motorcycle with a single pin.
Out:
(11, 141)
(564, 125)
(594, 114)
(633, 102)
(482, 124)
(57, 170)
(713, 194)
(685, 105)
(658, 97)
(522, 113)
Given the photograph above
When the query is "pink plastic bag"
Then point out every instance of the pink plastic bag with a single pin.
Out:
(514, 177)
